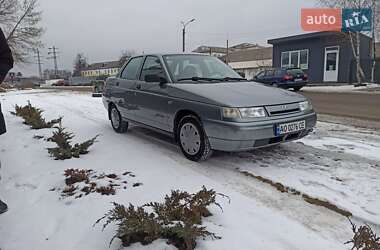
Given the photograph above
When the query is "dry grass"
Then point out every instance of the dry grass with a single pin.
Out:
(82, 182)
(77, 175)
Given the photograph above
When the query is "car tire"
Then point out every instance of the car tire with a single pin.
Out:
(297, 89)
(117, 122)
(193, 140)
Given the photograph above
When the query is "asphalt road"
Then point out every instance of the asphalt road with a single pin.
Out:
(364, 106)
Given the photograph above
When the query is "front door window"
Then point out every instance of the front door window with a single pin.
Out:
(331, 61)
(331, 66)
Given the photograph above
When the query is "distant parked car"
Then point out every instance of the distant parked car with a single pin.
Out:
(284, 78)
(204, 104)
(98, 88)
(60, 83)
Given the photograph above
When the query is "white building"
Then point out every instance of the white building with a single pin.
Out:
(102, 69)
(250, 61)
(211, 50)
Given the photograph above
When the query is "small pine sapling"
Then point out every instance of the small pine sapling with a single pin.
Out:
(364, 238)
(64, 149)
(134, 224)
(33, 117)
(178, 219)
(82, 149)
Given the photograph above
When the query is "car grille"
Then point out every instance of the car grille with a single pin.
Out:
(284, 109)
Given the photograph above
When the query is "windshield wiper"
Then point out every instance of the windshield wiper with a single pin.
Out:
(197, 79)
(227, 79)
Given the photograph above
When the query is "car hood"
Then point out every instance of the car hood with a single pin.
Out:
(234, 94)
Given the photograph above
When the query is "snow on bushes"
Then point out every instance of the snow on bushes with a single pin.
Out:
(65, 150)
(80, 182)
(33, 117)
(178, 219)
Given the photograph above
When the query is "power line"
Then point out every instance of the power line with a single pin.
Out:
(54, 52)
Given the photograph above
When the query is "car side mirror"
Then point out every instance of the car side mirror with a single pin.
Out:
(155, 78)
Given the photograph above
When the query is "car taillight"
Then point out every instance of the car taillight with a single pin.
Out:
(305, 76)
(287, 77)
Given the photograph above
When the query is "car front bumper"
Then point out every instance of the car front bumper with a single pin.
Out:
(234, 136)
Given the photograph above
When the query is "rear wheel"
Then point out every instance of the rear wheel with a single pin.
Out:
(117, 122)
(192, 139)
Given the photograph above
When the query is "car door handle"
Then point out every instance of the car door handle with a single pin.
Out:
(138, 86)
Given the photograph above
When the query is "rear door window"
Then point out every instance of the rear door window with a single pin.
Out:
(131, 71)
(269, 73)
(260, 75)
(279, 72)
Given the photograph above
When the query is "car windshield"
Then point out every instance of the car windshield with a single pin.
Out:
(199, 67)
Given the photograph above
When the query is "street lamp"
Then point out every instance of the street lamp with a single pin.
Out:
(184, 24)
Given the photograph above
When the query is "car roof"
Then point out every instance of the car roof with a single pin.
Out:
(171, 54)
(281, 69)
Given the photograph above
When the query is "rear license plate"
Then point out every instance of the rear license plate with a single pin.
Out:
(298, 80)
(291, 127)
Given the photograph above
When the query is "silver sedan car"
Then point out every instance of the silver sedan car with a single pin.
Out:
(204, 105)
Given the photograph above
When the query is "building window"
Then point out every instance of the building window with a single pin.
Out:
(295, 59)
(304, 59)
(284, 59)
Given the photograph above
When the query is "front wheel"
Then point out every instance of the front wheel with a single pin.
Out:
(193, 140)
(117, 122)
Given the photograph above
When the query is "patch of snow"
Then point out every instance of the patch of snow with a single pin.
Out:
(341, 88)
(336, 163)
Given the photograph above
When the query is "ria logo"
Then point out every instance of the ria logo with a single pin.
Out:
(357, 20)
(336, 19)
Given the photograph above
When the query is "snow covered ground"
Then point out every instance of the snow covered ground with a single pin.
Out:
(337, 163)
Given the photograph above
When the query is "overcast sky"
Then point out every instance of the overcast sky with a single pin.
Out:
(101, 29)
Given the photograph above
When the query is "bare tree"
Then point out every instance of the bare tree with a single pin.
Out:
(80, 63)
(21, 23)
(375, 34)
(354, 37)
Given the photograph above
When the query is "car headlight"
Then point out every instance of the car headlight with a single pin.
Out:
(252, 112)
(231, 113)
(244, 113)
(305, 106)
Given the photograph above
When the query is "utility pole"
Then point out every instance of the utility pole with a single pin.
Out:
(183, 39)
(227, 59)
(54, 52)
(38, 56)
(184, 33)
(374, 12)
